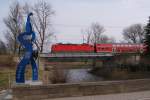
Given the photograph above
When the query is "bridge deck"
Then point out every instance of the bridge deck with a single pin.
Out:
(74, 55)
(65, 57)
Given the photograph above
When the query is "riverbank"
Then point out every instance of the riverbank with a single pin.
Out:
(119, 73)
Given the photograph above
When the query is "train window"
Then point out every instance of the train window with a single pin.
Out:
(114, 49)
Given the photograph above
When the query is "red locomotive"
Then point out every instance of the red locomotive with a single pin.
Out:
(72, 48)
(98, 48)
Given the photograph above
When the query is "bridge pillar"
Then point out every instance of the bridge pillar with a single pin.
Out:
(46, 70)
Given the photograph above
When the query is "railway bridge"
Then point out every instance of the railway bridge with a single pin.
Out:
(85, 59)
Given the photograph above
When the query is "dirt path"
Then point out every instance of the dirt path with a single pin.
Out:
(145, 95)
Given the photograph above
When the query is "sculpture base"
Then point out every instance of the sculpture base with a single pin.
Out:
(30, 82)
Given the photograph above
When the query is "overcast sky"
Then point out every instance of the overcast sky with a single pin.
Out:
(71, 16)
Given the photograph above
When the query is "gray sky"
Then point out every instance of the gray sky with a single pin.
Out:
(74, 15)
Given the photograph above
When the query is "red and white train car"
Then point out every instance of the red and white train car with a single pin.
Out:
(120, 48)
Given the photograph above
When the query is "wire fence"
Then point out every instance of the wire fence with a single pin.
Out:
(6, 80)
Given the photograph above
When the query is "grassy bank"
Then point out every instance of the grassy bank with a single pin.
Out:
(7, 77)
(120, 74)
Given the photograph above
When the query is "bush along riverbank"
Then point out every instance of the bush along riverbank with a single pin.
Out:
(122, 72)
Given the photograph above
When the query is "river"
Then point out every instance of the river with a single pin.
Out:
(81, 75)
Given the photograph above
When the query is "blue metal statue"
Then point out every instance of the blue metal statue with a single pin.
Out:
(26, 39)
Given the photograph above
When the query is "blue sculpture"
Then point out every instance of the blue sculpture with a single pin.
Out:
(26, 39)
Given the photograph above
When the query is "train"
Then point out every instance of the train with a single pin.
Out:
(98, 48)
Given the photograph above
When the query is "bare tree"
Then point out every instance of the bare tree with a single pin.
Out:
(134, 33)
(3, 47)
(94, 34)
(42, 22)
(14, 27)
(106, 39)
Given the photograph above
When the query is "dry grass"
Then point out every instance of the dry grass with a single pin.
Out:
(7, 76)
(119, 74)
(7, 70)
(7, 61)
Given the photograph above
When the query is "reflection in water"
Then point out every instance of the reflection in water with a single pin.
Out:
(81, 75)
